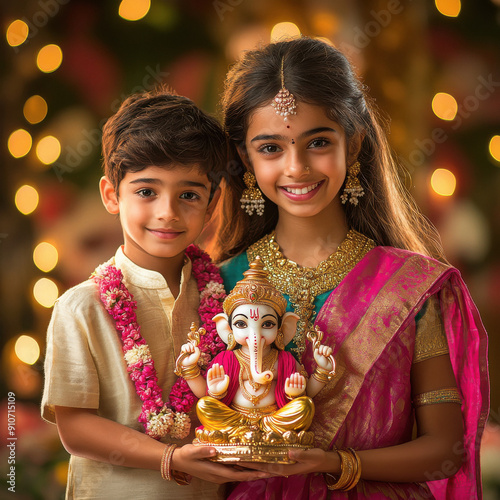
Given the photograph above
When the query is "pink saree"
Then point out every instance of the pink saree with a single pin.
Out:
(369, 320)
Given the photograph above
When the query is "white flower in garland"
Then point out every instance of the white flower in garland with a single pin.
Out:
(138, 353)
(181, 427)
(160, 424)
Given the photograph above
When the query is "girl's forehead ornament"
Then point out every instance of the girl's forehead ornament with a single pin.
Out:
(284, 102)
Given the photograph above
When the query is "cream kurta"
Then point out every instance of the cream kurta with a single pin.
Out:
(84, 368)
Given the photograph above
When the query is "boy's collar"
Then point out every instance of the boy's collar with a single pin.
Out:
(147, 278)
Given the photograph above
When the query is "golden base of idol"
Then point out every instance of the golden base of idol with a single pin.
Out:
(254, 445)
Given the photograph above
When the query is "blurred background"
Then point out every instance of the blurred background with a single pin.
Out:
(66, 65)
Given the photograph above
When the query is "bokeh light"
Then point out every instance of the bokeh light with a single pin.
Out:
(17, 33)
(45, 292)
(325, 22)
(61, 472)
(444, 106)
(494, 147)
(443, 182)
(27, 349)
(26, 199)
(45, 256)
(133, 10)
(19, 143)
(48, 149)
(49, 58)
(284, 31)
(450, 8)
(35, 109)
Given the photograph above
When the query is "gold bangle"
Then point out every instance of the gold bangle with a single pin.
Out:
(320, 378)
(217, 396)
(162, 463)
(322, 375)
(190, 372)
(357, 474)
(350, 471)
(166, 461)
(347, 464)
(448, 395)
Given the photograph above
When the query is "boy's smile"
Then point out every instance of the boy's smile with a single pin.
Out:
(162, 211)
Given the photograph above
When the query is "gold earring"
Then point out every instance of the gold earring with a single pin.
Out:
(251, 199)
(353, 188)
(278, 341)
(231, 343)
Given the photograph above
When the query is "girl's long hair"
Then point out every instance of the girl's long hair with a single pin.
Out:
(317, 73)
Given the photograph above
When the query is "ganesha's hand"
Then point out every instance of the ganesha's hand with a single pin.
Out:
(217, 380)
(323, 357)
(295, 385)
(189, 354)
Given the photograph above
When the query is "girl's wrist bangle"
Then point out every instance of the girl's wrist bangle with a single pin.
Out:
(350, 466)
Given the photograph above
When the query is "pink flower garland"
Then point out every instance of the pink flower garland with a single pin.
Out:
(158, 418)
(212, 295)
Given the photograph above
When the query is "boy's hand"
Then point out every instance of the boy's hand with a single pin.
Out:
(193, 460)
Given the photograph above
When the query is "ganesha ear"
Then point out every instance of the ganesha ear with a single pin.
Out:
(224, 330)
(289, 326)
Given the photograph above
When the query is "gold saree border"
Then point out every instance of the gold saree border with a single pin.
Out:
(360, 349)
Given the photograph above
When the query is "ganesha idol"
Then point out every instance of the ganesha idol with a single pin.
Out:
(255, 403)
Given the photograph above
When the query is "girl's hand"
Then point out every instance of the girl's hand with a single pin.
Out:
(193, 354)
(322, 357)
(217, 380)
(193, 460)
(313, 460)
(295, 385)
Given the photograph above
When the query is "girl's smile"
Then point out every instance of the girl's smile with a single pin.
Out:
(301, 192)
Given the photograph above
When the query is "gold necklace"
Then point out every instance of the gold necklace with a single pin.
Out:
(304, 284)
(267, 364)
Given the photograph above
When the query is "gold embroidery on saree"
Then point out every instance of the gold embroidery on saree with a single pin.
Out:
(304, 284)
(370, 336)
(430, 337)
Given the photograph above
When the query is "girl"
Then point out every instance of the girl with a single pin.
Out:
(354, 257)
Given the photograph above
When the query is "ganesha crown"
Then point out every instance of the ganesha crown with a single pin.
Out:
(255, 288)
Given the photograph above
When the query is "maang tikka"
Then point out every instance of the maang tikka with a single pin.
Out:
(353, 188)
(284, 102)
(251, 199)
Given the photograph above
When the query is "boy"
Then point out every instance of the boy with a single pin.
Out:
(160, 152)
